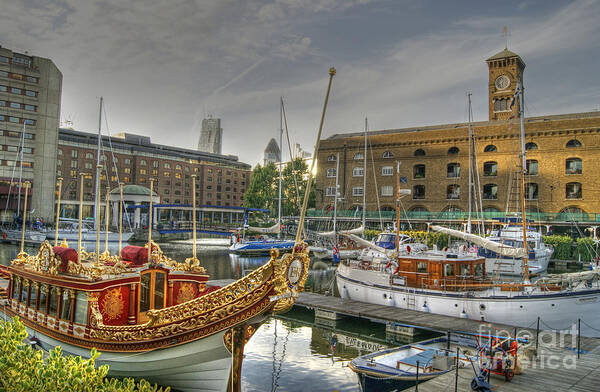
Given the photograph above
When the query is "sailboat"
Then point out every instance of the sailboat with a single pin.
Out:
(263, 246)
(69, 230)
(455, 283)
(148, 315)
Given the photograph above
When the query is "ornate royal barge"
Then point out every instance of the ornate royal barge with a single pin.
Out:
(148, 315)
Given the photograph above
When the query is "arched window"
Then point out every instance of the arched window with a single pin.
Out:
(450, 212)
(490, 148)
(418, 171)
(573, 190)
(490, 169)
(490, 191)
(387, 154)
(532, 167)
(502, 105)
(453, 151)
(419, 192)
(418, 209)
(358, 156)
(453, 170)
(453, 191)
(531, 191)
(331, 172)
(572, 214)
(331, 158)
(531, 146)
(387, 208)
(573, 166)
(490, 209)
(573, 143)
(419, 152)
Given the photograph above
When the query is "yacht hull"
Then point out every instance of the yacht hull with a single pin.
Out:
(557, 311)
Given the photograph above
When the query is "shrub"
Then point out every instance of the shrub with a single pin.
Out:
(586, 248)
(563, 246)
(24, 369)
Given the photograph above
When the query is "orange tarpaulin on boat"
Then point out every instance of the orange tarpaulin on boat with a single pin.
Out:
(65, 255)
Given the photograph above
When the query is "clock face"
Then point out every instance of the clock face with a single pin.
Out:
(502, 82)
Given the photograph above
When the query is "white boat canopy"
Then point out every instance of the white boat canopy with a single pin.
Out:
(501, 249)
(358, 230)
(275, 229)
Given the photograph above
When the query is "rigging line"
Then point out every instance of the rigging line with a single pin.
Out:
(112, 153)
(478, 193)
(13, 172)
(274, 356)
(376, 189)
(287, 136)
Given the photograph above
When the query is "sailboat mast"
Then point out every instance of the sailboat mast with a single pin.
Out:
(523, 172)
(96, 194)
(337, 169)
(20, 155)
(364, 209)
(280, 168)
(470, 166)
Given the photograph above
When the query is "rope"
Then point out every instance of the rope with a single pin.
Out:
(589, 326)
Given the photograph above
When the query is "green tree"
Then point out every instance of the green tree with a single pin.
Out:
(24, 369)
(262, 189)
(292, 196)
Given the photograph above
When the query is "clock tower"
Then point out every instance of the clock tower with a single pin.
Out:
(505, 69)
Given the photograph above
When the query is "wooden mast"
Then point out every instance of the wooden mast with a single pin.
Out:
(120, 217)
(194, 216)
(23, 223)
(80, 218)
(523, 171)
(150, 221)
(313, 165)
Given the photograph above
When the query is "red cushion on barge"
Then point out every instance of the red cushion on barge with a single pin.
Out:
(65, 255)
(129, 253)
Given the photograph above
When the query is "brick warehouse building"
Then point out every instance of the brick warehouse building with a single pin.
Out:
(562, 152)
(222, 179)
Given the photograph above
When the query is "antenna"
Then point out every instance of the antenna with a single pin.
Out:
(506, 34)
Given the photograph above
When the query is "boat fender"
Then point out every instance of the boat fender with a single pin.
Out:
(408, 249)
(4, 235)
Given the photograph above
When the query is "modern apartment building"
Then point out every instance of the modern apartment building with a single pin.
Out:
(30, 96)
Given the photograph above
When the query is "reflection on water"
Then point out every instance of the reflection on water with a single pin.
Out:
(292, 352)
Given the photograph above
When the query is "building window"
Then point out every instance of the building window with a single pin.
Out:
(531, 191)
(573, 190)
(357, 172)
(387, 154)
(453, 191)
(74, 164)
(177, 167)
(418, 171)
(419, 152)
(387, 190)
(331, 172)
(453, 170)
(88, 155)
(331, 158)
(126, 179)
(387, 171)
(419, 192)
(490, 169)
(502, 105)
(143, 162)
(357, 191)
(167, 165)
(154, 172)
(31, 93)
(15, 105)
(31, 108)
(531, 146)
(358, 156)
(453, 151)
(142, 171)
(87, 165)
(490, 148)
(573, 143)
(573, 166)
(127, 170)
(490, 191)
(167, 174)
(127, 161)
(330, 191)
(531, 166)
(155, 164)
(73, 153)
(177, 175)
(60, 152)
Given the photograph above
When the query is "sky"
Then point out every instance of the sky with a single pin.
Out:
(162, 66)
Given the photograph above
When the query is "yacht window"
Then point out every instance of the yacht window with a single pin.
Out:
(53, 298)
(478, 269)
(81, 308)
(448, 269)
(159, 290)
(465, 270)
(145, 292)
(422, 267)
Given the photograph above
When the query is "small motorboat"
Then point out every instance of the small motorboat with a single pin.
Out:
(402, 367)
